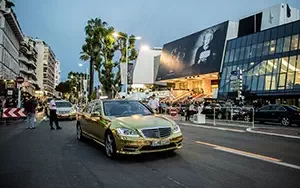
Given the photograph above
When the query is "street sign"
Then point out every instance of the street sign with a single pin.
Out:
(13, 112)
(20, 80)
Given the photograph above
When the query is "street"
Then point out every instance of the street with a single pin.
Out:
(209, 158)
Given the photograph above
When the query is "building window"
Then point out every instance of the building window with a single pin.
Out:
(268, 81)
(279, 45)
(294, 44)
(237, 53)
(281, 82)
(266, 48)
(231, 55)
(272, 47)
(269, 66)
(261, 82)
(297, 76)
(292, 64)
(283, 64)
(259, 50)
(242, 52)
(286, 44)
(274, 81)
(290, 80)
(227, 56)
(253, 51)
(247, 52)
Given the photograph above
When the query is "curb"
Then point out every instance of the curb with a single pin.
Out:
(271, 134)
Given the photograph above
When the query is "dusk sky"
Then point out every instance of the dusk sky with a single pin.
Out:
(61, 22)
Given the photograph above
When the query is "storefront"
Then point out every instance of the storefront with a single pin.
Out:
(270, 61)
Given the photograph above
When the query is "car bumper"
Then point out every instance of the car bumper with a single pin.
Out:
(134, 146)
(66, 116)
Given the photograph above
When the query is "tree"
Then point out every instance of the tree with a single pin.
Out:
(91, 49)
(63, 87)
(103, 46)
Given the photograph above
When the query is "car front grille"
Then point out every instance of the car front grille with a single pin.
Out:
(149, 148)
(162, 132)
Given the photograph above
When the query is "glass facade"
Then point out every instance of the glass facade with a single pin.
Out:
(270, 61)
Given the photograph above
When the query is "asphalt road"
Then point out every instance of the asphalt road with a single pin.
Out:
(210, 158)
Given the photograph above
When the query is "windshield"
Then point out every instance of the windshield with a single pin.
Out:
(124, 108)
(294, 107)
(63, 105)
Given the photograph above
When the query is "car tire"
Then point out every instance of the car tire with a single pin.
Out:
(110, 145)
(79, 132)
(285, 121)
(219, 115)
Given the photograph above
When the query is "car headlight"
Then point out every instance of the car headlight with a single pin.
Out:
(127, 132)
(176, 129)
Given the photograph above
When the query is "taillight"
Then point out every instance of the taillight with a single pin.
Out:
(299, 113)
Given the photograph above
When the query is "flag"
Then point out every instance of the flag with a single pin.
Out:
(288, 11)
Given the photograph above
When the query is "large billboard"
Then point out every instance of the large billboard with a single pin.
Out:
(198, 53)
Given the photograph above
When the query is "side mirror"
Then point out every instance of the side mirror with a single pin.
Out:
(95, 114)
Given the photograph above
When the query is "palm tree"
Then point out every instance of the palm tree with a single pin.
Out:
(91, 48)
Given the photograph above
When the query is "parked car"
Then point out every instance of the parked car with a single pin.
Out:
(221, 110)
(127, 127)
(284, 114)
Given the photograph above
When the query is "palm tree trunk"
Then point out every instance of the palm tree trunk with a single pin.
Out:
(91, 83)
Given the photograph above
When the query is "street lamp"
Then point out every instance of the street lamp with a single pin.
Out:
(115, 34)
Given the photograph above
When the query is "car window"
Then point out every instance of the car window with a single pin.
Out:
(265, 108)
(280, 108)
(98, 108)
(124, 108)
(63, 104)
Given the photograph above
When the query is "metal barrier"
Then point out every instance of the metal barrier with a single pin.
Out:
(232, 113)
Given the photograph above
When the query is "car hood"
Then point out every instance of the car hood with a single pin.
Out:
(139, 121)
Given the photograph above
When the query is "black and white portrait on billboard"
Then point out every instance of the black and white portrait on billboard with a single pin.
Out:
(205, 50)
(195, 54)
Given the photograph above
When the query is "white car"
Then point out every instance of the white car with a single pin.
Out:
(65, 110)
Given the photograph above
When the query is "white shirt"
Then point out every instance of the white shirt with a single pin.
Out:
(52, 105)
(153, 103)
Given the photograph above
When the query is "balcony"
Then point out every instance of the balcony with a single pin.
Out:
(27, 61)
(28, 72)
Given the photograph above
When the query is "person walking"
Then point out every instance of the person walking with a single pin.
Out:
(53, 115)
(30, 106)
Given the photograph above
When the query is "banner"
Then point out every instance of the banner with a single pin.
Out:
(130, 73)
(198, 53)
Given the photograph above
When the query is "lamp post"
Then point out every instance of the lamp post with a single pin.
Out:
(115, 34)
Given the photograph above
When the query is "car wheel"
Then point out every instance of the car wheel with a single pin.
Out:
(110, 146)
(285, 121)
(219, 115)
(79, 132)
(247, 118)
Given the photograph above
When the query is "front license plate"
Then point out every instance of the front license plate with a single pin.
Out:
(160, 142)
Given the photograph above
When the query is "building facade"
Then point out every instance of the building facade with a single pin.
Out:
(270, 62)
(45, 68)
(28, 65)
(10, 38)
(57, 72)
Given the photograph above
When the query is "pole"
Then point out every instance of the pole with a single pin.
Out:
(86, 91)
(126, 67)
(19, 95)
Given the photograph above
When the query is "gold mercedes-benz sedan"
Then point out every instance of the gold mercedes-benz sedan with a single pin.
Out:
(127, 127)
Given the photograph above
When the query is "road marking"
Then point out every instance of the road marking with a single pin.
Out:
(177, 182)
(213, 127)
(250, 155)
